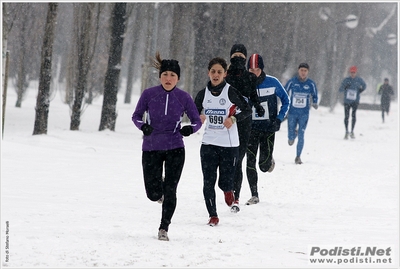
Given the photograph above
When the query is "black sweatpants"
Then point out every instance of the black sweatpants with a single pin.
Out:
(265, 141)
(153, 163)
(244, 129)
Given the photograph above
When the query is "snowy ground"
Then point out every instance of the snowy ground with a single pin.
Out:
(76, 198)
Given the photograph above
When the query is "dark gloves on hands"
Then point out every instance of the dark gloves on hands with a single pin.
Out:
(260, 110)
(147, 129)
(315, 106)
(186, 130)
(277, 124)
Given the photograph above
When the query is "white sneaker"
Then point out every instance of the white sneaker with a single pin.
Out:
(235, 207)
(253, 200)
(163, 235)
(271, 168)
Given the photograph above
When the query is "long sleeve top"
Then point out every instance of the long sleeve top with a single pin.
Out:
(165, 111)
(269, 89)
(352, 87)
(386, 92)
(299, 93)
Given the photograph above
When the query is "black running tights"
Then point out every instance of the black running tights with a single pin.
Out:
(153, 163)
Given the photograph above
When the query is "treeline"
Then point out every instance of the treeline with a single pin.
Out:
(285, 34)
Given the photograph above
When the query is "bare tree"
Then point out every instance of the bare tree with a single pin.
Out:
(108, 113)
(182, 45)
(151, 11)
(86, 37)
(4, 63)
(43, 102)
(22, 75)
(26, 19)
(136, 10)
(95, 71)
(204, 24)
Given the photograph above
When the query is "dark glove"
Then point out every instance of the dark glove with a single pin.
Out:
(147, 129)
(186, 130)
(260, 110)
(315, 106)
(277, 124)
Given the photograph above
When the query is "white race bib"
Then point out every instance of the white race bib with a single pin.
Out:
(351, 94)
(266, 114)
(299, 100)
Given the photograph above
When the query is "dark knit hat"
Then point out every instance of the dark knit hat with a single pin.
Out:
(170, 65)
(239, 48)
(255, 61)
(304, 65)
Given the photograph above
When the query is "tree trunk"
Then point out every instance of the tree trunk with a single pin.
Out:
(84, 19)
(24, 54)
(43, 101)
(147, 53)
(7, 63)
(108, 113)
(21, 78)
(131, 62)
(95, 10)
(4, 72)
(130, 76)
(203, 27)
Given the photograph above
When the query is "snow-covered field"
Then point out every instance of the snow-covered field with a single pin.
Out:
(76, 198)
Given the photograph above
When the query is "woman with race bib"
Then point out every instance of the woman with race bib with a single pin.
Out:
(217, 104)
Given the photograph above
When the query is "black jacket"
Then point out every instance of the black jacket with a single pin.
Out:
(244, 81)
(386, 91)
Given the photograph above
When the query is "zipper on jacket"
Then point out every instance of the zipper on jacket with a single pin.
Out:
(166, 105)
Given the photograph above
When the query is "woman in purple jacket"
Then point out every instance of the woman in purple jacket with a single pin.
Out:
(163, 145)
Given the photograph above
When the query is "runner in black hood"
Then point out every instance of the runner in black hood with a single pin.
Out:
(246, 83)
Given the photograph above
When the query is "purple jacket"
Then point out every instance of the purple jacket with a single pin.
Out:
(165, 110)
